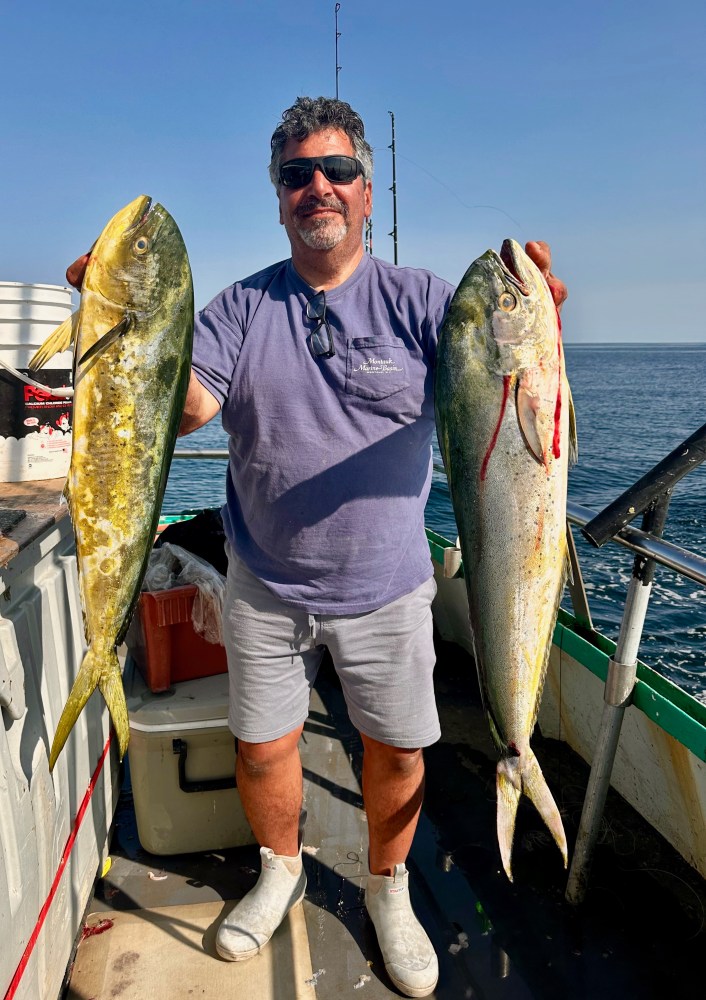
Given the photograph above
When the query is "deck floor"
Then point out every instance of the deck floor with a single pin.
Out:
(640, 932)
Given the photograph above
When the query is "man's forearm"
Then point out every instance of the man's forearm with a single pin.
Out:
(199, 408)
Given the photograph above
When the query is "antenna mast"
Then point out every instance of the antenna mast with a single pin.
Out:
(393, 234)
(338, 35)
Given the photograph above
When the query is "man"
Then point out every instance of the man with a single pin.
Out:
(322, 367)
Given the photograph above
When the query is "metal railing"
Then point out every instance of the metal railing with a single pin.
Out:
(207, 453)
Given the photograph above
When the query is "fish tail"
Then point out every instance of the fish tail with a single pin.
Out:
(537, 791)
(97, 670)
(84, 686)
(509, 789)
(514, 776)
(111, 687)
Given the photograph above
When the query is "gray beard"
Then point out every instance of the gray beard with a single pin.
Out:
(324, 237)
(323, 234)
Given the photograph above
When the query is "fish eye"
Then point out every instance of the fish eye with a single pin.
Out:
(507, 302)
(141, 245)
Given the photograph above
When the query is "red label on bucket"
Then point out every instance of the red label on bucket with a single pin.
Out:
(26, 410)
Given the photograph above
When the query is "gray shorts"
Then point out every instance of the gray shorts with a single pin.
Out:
(384, 660)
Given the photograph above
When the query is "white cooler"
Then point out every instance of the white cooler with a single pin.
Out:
(182, 766)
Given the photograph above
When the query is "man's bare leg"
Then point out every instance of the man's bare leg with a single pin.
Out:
(269, 777)
(393, 789)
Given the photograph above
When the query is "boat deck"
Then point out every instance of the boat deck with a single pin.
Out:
(641, 932)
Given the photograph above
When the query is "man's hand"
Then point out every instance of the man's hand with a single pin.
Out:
(539, 252)
(76, 271)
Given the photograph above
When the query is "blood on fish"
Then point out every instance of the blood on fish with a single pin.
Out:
(556, 442)
(514, 752)
(493, 440)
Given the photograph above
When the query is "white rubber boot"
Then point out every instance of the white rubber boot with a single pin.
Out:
(410, 959)
(252, 922)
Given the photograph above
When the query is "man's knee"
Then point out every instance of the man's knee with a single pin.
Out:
(398, 759)
(260, 759)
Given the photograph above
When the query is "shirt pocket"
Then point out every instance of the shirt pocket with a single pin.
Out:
(376, 367)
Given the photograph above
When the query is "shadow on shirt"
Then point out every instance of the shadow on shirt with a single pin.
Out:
(399, 466)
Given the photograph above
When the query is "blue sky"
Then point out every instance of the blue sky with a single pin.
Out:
(584, 127)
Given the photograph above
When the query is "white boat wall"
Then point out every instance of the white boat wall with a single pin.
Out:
(660, 766)
(54, 827)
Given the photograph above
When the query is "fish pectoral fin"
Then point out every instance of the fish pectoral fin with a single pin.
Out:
(535, 417)
(104, 342)
(573, 438)
(60, 339)
(111, 687)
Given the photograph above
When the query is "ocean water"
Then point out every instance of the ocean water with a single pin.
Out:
(634, 404)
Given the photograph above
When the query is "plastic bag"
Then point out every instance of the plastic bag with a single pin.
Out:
(171, 566)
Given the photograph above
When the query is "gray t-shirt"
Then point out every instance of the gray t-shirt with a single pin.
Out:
(330, 458)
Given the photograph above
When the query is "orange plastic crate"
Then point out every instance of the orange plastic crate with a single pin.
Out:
(167, 649)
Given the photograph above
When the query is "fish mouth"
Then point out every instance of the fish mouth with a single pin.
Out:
(143, 206)
(510, 260)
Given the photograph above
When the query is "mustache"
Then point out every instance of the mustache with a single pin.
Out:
(311, 203)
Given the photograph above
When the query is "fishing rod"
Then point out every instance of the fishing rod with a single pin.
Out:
(63, 393)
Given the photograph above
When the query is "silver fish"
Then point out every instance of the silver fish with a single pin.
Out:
(507, 434)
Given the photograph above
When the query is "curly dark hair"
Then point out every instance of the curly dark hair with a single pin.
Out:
(312, 114)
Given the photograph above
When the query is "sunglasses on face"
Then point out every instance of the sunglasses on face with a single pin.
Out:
(337, 169)
(320, 340)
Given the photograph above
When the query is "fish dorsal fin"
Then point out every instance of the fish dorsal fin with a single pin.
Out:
(60, 339)
(536, 396)
(104, 342)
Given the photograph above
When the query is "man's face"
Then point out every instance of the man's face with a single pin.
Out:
(323, 215)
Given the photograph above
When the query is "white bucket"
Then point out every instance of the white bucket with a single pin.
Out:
(35, 428)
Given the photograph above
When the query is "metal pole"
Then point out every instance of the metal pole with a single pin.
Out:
(393, 234)
(622, 672)
(577, 590)
(369, 236)
(338, 35)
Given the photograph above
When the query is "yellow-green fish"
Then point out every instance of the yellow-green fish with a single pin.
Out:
(132, 339)
(506, 431)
